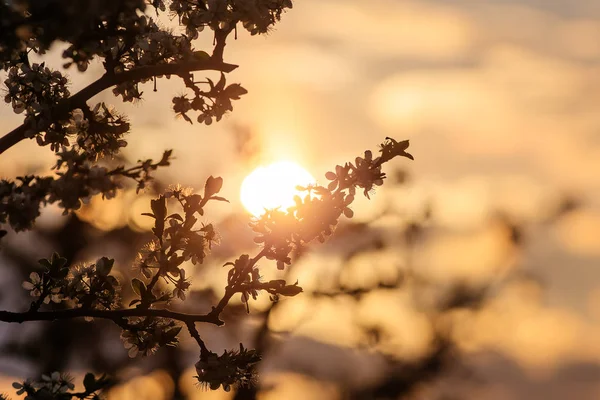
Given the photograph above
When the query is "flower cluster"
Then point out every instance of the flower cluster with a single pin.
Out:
(232, 368)
(101, 135)
(59, 386)
(78, 179)
(33, 89)
(88, 287)
(48, 285)
(53, 386)
(143, 336)
(37, 91)
(256, 16)
(34, 24)
(366, 173)
(134, 49)
(244, 277)
(316, 215)
(214, 103)
(92, 286)
(20, 201)
(179, 237)
(244, 272)
(37, 286)
(145, 44)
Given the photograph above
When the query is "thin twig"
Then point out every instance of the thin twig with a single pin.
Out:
(231, 290)
(204, 352)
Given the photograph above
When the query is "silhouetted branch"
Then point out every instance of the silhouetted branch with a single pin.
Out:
(114, 315)
(191, 325)
(79, 99)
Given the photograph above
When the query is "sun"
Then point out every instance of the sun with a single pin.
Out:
(273, 186)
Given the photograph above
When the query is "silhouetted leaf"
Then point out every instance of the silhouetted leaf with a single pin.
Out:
(213, 186)
(104, 266)
(219, 198)
(89, 382)
(138, 286)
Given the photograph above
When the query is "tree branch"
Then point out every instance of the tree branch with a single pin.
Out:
(231, 290)
(204, 352)
(79, 99)
(220, 37)
(114, 315)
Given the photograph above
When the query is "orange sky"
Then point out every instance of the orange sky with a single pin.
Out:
(501, 102)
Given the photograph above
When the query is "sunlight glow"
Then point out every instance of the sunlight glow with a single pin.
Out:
(273, 186)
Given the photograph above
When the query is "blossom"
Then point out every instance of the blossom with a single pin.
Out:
(54, 296)
(181, 286)
(77, 124)
(36, 287)
(34, 284)
(340, 179)
(368, 173)
(178, 191)
(232, 368)
(130, 343)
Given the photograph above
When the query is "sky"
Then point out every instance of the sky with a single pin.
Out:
(500, 101)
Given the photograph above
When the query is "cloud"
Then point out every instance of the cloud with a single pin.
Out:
(387, 28)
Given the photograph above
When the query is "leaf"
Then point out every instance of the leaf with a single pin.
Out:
(89, 382)
(213, 186)
(235, 90)
(55, 266)
(194, 201)
(175, 216)
(189, 223)
(221, 84)
(201, 55)
(218, 198)
(164, 297)
(102, 381)
(159, 208)
(138, 286)
(210, 83)
(174, 262)
(393, 148)
(290, 290)
(188, 119)
(164, 161)
(104, 266)
(132, 302)
(173, 332)
(58, 261)
(112, 280)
